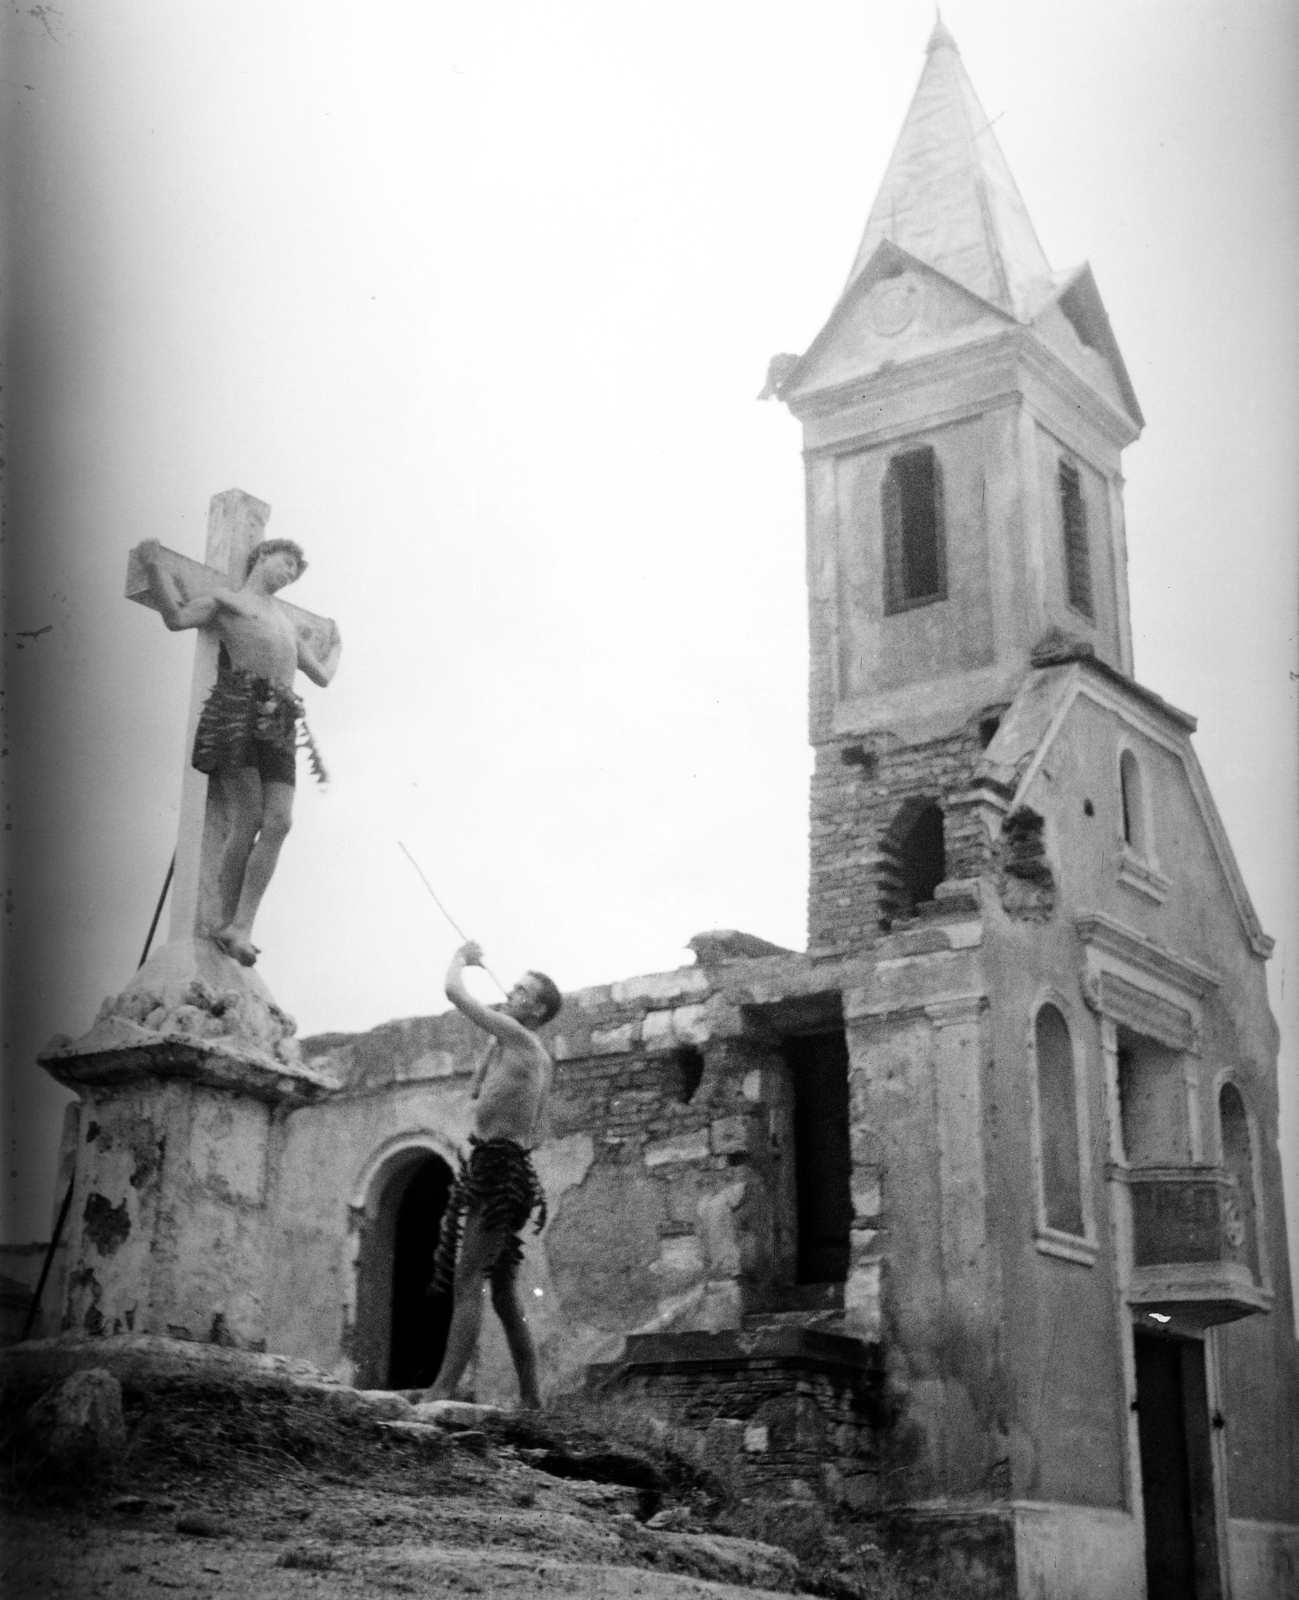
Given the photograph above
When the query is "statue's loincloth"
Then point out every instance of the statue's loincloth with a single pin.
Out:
(498, 1184)
(248, 722)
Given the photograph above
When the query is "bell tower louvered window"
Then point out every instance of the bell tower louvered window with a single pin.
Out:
(1077, 560)
(915, 560)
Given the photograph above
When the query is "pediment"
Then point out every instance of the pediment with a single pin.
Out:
(1040, 717)
(1072, 320)
(898, 309)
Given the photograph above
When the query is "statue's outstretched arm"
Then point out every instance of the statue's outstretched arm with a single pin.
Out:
(177, 612)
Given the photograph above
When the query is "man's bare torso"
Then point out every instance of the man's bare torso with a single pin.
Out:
(514, 1087)
(258, 636)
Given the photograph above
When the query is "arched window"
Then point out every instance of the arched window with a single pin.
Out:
(915, 557)
(913, 860)
(1057, 1111)
(1240, 1213)
(1077, 557)
(1133, 801)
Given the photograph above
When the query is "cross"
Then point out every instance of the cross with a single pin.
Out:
(235, 525)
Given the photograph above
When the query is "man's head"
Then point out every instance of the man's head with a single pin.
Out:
(287, 560)
(534, 999)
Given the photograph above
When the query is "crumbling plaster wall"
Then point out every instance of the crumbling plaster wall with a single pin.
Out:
(170, 1218)
(662, 1209)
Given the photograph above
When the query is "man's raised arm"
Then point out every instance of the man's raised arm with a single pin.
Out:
(177, 612)
(496, 1023)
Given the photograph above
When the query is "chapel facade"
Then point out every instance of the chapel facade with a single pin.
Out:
(969, 1217)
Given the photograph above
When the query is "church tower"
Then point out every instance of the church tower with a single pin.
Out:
(963, 410)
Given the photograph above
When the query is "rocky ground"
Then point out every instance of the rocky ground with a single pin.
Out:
(255, 1483)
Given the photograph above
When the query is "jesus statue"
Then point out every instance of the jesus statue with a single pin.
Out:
(247, 732)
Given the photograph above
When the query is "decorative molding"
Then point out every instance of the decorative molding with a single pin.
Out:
(1112, 938)
(1066, 1246)
(1131, 704)
(1134, 873)
(953, 1010)
(1143, 1011)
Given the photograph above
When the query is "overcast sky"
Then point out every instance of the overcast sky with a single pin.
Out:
(478, 296)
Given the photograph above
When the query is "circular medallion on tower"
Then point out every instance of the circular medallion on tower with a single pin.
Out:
(892, 303)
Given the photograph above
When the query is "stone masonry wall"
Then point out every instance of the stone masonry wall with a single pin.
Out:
(773, 1432)
(853, 803)
(672, 1224)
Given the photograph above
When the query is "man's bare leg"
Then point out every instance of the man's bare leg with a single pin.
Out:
(479, 1248)
(242, 790)
(506, 1304)
(276, 820)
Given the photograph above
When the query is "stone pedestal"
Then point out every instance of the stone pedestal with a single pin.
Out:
(185, 1081)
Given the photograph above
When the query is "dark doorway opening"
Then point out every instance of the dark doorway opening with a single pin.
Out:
(818, 1066)
(419, 1321)
(1176, 1470)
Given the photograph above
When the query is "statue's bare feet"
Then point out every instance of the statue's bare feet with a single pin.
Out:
(235, 944)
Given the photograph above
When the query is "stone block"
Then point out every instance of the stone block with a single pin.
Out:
(753, 1085)
(861, 1301)
(684, 1147)
(729, 1135)
(613, 1041)
(680, 1259)
(690, 1024)
(661, 987)
(757, 1440)
(657, 1032)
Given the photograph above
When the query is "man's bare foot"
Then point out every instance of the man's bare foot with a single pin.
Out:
(236, 945)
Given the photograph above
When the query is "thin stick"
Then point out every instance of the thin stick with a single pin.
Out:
(463, 935)
(153, 926)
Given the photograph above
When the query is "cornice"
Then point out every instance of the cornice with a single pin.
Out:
(1112, 938)
(1008, 361)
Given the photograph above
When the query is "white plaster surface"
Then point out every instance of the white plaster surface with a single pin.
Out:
(432, 1064)
(717, 1229)
(563, 1163)
(680, 1260)
(228, 1146)
(1264, 1558)
(1078, 1553)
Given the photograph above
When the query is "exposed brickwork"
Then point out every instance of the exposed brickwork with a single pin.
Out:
(770, 1424)
(700, 1165)
(852, 807)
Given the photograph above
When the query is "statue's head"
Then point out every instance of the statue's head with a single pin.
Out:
(534, 999)
(293, 567)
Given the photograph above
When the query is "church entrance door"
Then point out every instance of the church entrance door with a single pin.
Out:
(1176, 1470)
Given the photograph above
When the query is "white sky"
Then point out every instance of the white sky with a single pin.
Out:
(478, 296)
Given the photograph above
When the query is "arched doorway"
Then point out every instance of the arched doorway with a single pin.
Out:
(419, 1322)
(399, 1332)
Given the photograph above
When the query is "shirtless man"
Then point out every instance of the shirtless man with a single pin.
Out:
(247, 733)
(497, 1190)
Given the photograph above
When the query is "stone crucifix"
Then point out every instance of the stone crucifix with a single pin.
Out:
(243, 713)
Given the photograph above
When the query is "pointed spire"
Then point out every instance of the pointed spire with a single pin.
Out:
(940, 37)
(948, 196)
